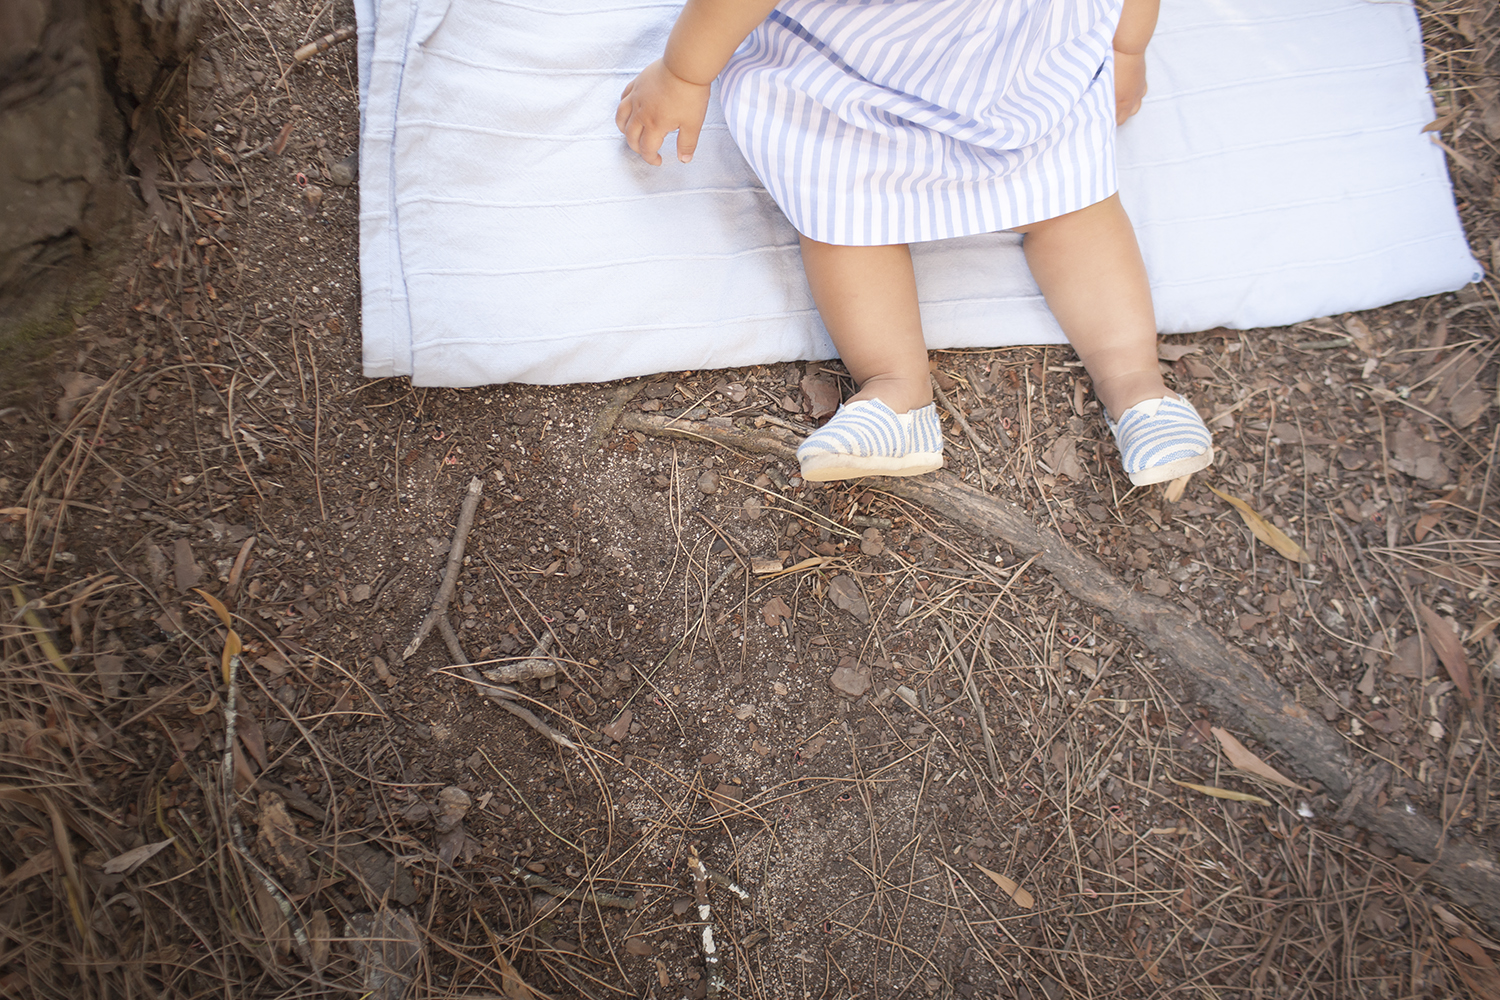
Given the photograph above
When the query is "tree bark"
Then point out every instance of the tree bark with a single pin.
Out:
(72, 74)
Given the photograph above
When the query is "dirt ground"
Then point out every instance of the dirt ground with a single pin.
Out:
(932, 771)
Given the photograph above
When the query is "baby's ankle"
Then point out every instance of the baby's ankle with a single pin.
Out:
(900, 395)
(1119, 393)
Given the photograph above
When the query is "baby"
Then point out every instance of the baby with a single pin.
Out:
(880, 123)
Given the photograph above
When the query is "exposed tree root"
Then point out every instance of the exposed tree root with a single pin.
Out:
(1225, 676)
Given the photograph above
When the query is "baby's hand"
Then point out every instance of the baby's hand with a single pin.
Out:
(1130, 84)
(655, 103)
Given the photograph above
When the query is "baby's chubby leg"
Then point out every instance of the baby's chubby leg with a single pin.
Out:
(867, 297)
(1089, 268)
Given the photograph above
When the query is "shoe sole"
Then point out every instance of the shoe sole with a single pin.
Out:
(827, 468)
(1172, 470)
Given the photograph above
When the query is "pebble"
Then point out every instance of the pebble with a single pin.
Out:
(708, 483)
(850, 681)
(618, 729)
(907, 695)
(360, 593)
(452, 806)
(344, 172)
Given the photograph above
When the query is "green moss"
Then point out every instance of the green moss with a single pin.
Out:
(48, 314)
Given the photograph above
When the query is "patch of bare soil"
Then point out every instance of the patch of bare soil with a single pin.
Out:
(932, 770)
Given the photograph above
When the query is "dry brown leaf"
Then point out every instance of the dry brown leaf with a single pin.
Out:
(511, 983)
(1360, 333)
(131, 860)
(1246, 760)
(822, 394)
(319, 937)
(38, 864)
(1009, 887)
(272, 921)
(1449, 649)
(247, 727)
(774, 610)
(1220, 793)
(1482, 976)
(1176, 352)
(1265, 530)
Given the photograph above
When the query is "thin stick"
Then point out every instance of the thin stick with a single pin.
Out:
(455, 566)
(712, 963)
(500, 695)
(533, 667)
(320, 45)
(954, 412)
(551, 888)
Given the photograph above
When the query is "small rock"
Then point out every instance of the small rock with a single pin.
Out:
(907, 695)
(850, 679)
(452, 806)
(744, 712)
(708, 483)
(781, 689)
(360, 593)
(346, 171)
(846, 595)
(618, 729)
(872, 542)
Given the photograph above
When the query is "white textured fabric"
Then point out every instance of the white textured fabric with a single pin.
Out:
(1277, 172)
(897, 121)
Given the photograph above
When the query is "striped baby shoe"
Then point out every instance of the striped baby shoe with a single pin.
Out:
(1162, 439)
(868, 438)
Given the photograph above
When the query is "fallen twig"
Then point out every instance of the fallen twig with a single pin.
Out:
(455, 566)
(958, 418)
(618, 399)
(498, 694)
(712, 963)
(320, 45)
(534, 667)
(577, 893)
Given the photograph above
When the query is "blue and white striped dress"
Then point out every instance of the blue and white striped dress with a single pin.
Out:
(874, 122)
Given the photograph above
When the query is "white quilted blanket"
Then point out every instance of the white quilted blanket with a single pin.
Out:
(1277, 172)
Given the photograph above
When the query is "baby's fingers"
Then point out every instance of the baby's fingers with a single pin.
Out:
(645, 141)
(687, 141)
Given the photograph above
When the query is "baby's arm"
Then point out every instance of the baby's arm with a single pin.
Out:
(672, 93)
(1137, 22)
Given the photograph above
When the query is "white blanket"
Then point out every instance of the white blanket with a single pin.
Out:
(1277, 172)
